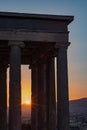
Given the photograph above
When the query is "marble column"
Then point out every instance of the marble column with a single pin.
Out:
(34, 97)
(51, 96)
(42, 122)
(3, 97)
(15, 86)
(62, 90)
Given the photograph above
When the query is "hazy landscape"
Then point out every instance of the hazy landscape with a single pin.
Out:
(76, 107)
(78, 114)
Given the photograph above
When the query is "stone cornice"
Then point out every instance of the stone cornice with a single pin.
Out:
(16, 43)
(64, 18)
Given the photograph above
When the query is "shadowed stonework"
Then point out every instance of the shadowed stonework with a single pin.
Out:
(35, 40)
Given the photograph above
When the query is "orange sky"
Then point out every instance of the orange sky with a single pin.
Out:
(26, 84)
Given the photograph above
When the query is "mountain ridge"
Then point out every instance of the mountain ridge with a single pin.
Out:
(78, 106)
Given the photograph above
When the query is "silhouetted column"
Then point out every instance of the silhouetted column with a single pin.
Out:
(62, 90)
(51, 97)
(34, 97)
(15, 86)
(42, 122)
(3, 97)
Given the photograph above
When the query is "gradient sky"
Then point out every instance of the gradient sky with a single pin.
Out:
(77, 57)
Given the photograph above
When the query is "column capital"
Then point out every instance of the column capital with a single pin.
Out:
(3, 65)
(62, 45)
(32, 66)
(16, 43)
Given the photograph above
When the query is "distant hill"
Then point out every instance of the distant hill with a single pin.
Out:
(78, 106)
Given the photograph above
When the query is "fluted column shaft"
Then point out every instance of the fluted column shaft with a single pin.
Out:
(42, 120)
(34, 98)
(3, 97)
(51, 97)
(62, 90)
(15, 87)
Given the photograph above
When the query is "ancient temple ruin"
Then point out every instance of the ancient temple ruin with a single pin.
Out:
(35, 40)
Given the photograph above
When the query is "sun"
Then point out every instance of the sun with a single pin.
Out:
(27, 102)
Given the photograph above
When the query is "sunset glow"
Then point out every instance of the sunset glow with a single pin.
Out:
(28, 102)
(26, 85)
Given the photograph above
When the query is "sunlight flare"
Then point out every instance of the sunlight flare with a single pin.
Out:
(27, 102)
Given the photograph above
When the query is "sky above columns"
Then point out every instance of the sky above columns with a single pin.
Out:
(77, 57)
